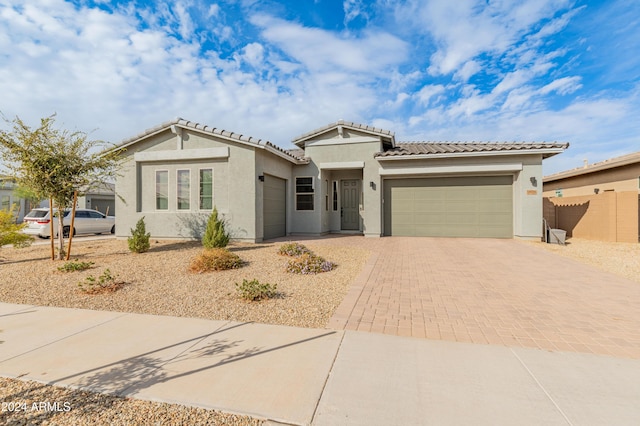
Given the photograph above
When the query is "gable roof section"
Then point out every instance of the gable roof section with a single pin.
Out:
(611, 163)
(415, 150)
(223, 134)
(386, 135)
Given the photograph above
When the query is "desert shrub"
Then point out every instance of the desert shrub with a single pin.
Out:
(215, 235)
(309, 263)
(216, 259)
(293, 249)
(11, 232)
(105, 283)
(254, 290)
(139, 239)
(74, 265)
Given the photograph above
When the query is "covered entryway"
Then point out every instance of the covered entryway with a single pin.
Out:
(274, 207)
(471, 206)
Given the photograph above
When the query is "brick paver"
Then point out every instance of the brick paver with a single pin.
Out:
(490, 291)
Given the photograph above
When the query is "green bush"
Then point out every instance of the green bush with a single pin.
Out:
(216, 259)
(139, 239)
(293, 249)
(75, 266)
(105, 283)
(10, 232)
(215, 235)
(309, 263)
(254, 290)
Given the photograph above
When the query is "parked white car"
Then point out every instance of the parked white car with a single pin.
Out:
(86, 222)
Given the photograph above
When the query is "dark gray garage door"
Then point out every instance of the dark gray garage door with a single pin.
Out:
(479, 206)
(274, 207)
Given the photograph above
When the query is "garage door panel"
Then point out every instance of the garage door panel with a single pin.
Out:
(457, 207)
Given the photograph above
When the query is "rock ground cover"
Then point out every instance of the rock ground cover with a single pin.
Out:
(617, 258)
(159, 282)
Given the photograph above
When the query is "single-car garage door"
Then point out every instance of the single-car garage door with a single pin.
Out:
(274, 207)
(477, 206)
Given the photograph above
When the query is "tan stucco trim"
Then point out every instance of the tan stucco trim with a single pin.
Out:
(434, 170)
(545, 152)
(186, 154)
(342, 165)
(342, 141)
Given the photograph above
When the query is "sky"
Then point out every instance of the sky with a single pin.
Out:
(428, 70)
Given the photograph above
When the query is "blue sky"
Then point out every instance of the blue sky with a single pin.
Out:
(429, 70)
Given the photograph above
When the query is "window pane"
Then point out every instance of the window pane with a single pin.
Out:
(304, 201)
(162, 190)
(6, 203)
(184, 197)
(304, 184)
(335, 195)
(206, 189)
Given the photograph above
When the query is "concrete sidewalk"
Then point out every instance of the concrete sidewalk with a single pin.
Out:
(311, 376)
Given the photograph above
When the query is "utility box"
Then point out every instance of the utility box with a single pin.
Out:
(556, 236)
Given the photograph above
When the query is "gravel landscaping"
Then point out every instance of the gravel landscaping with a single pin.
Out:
(73, 407)
(618, 258)
(158, 282)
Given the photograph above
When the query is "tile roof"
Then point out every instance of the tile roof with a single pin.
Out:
(210, 130)
(408, 149)
(633, 158)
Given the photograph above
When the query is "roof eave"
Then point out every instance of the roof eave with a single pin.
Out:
(546, 153)
(590, 169)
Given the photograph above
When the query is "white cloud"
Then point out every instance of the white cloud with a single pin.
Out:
(321, 50)
(426, 93)
(562, 86)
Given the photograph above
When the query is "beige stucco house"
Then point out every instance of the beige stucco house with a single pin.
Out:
(599, 201)
(342, 178)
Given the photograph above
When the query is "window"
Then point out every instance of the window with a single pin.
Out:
(162, 190)
(304, 193)
(326, 195)
(184, 189)
(335, 196)
(5, 204)
(95, 215)
(206, 189)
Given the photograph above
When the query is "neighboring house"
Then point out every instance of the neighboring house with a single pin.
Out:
(101, 197)
(9, 200)
(344, 177)
(598, 201)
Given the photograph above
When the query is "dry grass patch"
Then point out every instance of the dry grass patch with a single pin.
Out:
(214, 259)
(159, 281)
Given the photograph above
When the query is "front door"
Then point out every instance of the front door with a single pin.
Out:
(350, 217)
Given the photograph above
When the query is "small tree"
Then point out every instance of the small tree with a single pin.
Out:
(10, 232)
(139, 239)
(53, 163)
(215, 235)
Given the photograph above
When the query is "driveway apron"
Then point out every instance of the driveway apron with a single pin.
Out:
(491, 291)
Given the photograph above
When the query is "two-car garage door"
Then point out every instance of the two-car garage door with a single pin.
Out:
(476, 206)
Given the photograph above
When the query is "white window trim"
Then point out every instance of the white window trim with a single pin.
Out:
(335, 195)
(178, 189)
(200, 184)
(313, 186)
(155, 184)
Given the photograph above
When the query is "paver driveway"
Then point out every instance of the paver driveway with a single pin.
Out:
(490, 291)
